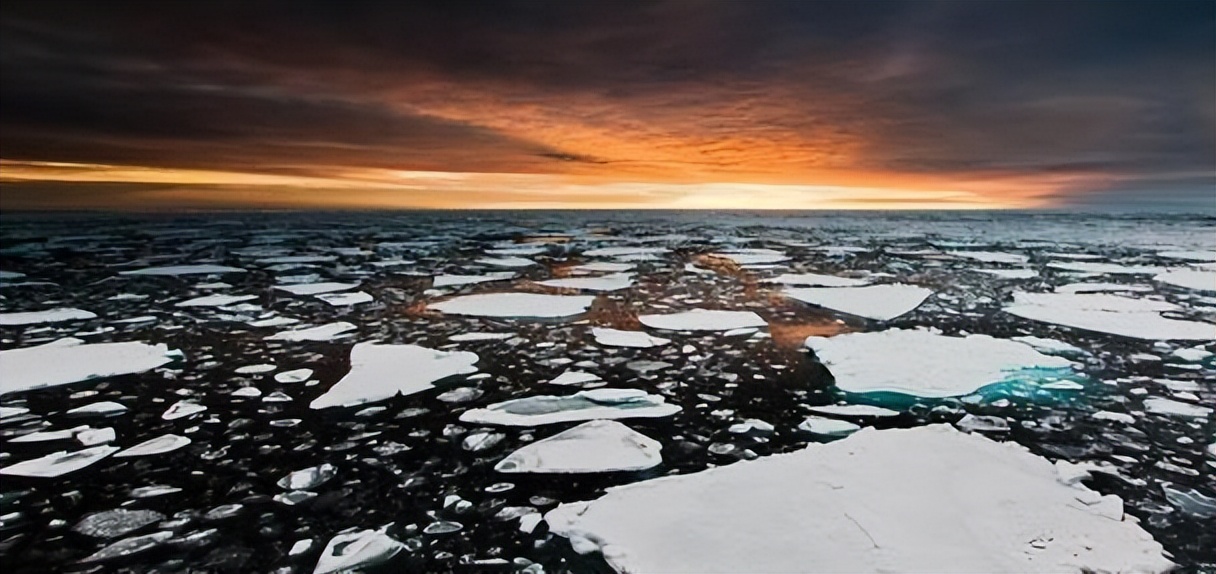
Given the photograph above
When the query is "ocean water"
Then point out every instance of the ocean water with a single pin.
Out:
(403, 464)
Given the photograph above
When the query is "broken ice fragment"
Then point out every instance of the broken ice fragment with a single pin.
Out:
(71, 360)
(879, 302)
(308, 478)
(158, 445)
(316, 288)
(1161, 406)
(117, 522)
(703, 320)
(827, 427)
(182, 409)
(1193, 279)
(346, 299)
(1124, 316)
(325, 332)
(102, 408)
(184, 270)
(59, 463)
(521, 305)
(613, 282)
(581, 406)
(294, 376)
(129, 547)
(376, 373)
(216, 300)
(618, 338)
(594, 446)
(48, 316)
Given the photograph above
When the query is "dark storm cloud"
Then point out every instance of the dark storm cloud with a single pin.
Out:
(1122, 91)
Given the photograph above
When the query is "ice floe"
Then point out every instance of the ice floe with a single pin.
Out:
(853, 411)
(513, 262)
(879, 302)
(158, 445)
(117, 522)
(458, 280)
(1189, 255)
(991, 256)
(378, 372)
(703, 320)
(872, 502)
(1104, 268)
(926, 364)
(1102, 287)
(621, 252)
(72, 360)
(346, 299)
(356, 550)
(102, 408)
(1162, 406)
(619, 338)
(473, 337)
(614, 282)
(827, 427)
(182, 409)
(752, 256)
(1189, 279)
(216, 300)
(594, 446)
(815, 280)
(316, 288)
(58, 315)
(59, 463)
(326, 332)
(576, 379)
(184, 270)
(519, 305)
(581, 406)
(1113, 314)
(1011, 273)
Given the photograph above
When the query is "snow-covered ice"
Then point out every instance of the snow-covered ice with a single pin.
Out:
(57, 315)
(158, 445)
(1113, 314)
(614, 282)
(815, 280)
(326, 332)
(520, 305)
(316, 288)
(581, 406)
(72, 360)
(619, 338)
(703, 320)
(594, 446)
(879, 302)
(59, 463)
(453, 280)
(173, 270)
(378, 372)
(1194, 279)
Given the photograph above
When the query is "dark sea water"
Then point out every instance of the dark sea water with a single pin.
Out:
(402, 464)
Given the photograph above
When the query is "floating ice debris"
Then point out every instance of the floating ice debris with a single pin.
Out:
(613, 282)
(1189, 279)
(11, 275)
(1190, 501)
(1193, 354)
(1062, 386)
(815, 280)
(618, 338)
(247, 392)
(184, 270)
(10, 412)
(117, 522)
(59, 463)
(982, 423)
(1011, 273)
(182, 409)
(703, 320)
(576, 379)
(1050, 346)
(460, 395)
(523, 305)
(876, 504)
(620, 252)
(293, 376)
(879, 302)
(991, 256)
(1196, 255)
(603, 267)
(326, 332)
(581, 406)
(853, 411)
(594, 446)
(273, 322)
(290, 259)
(316, 288)
(129, 547)
(215, 300)
(58, 315)
(356, 550)
(71, 360)
(1125, 316)
(1104, 268)
(513, 262)
(827, 427)
(1161, 406)
(308, 478)
(377, 373)
(102, 408)
(1117, 417)
(442, 527)
(925, 364)
(346, 299)
(255, 369)
(93, 437)
(46, 436)
(647, 366)
(1102, 287)
(159, 445)
(752, 256)
(481, 441)
(470, 337)
(457, 280)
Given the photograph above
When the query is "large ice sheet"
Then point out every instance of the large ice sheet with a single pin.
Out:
(71, 360)
(378, 372)
(1194, 279)
(929, 499)
(879, 302)
(1104, 313)
(925, 364)
(703, 320)
(520, 305)
(594, 446)
(581, 406)
(992, 256)
(57, 315)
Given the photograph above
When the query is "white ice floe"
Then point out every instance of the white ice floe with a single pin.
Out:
(182, 409)
(1105, 268)
(71, 360)
(1011, 273)
(878, 501)
(1193, 354)
(827, 427)
(356, 550)
(815, 280)
(59, 463)
(1161, 406)
(293, 376)
(48, 316)
(458, 280)
(52, 435)
(925, 364)
(879, 302)
(470, 337)
(703, 320)
(1102, 287)
(619, 338)
(853, 411)
(581, 406)
(102, 408)
(255, 369)
(92, 437)
(316, 288)
(1050, 346)
(752, 256)
(614, 282)
(11, 274)
(184, 270)
(326, 332)
(273, 322)
(1191, 255)
(603, 267)
(512, 262)
(1125, 316)
(159, 445)
(1116, 417)
(215, 300)
(520, 305)
(991, 256)
(379, 372)
(346, 299)
(594, 446)
(576, 379)
(1193, 279)
(619, 252)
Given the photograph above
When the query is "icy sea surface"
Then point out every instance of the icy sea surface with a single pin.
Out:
(171, 396)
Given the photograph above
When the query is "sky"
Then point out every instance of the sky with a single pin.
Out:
(614, 104)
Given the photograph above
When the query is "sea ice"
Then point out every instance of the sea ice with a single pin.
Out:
(1189, 279)
(879, 302)
(1102, 287)
(346, 299)
(473, 337)
(215, 300)
(158, 445)
(59, 463)
(513, 262)
(48, 316)
(1011, 273)
(576, 379)
(377, 373)
(703, 320)
(293, 376)
(614, 282)
(102, 408)
(1161, 406)
(1125, 316)
(523, 305)
(316, 288)
(1050, 346)
(129, 547)
(878, 501)
(356, 550)
(827, 427)
(309, 478)
(1104, 268)
(182, 409)
(117, 522)
(184, 270)
(618, 338)
(71, 360)
(458, 280)
(619, 252)
(594, 446)
(853, 411)
(326, 332)
(753, 256)
(991, 256)
(1195, 255)
(925, 364)
(815, 280)
(581, 406)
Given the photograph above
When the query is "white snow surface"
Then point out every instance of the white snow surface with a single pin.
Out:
(619, 338)
(1105, 268)
(158, 445)
(215, 300)
(451, 280)
(879, 302)
(1194, 279)
(184, 270)
(581, 406)
(1104, 313)
(324, 332)
(991, 256)
(56, 315)
(71, 360)
(59, 463)
(345, 299)
(703, 320)
(922, 363)
(1162, 406)
(530, 305)
(378, 372)
(1101, 287)
(594, 446)
(815, 280)
(752, 256)
(614, 282)
(928, 499)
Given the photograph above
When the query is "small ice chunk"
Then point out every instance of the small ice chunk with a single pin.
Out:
(93, 437)
(982, 423)
(575, 378)
(613, 282)
(255, 369)
(158, 445)
(1011, 273)
(57, 315)
(316, 288)
(1101, 287)
(752, 256)
(619, 338)
(1192, 354)
(1116, 417)
(853, 411)
(346, 299)
(1162, 406)
(472, 337)
(102, 408)
(458, 280)
(357, 550)
(879, 302)
(581, 406)
(215, 300)
(624, 251)
(510, 262)
(703, 320)
(182, 409)
(59, 463)
(827, 427)
(117, 522)
(523, 305)
(991, 257)
(326, 332)
(815, 280)
(1194, 279)
(594, 446)
(1104, 268)
(71, 360)
(174, 270)
(1050, 346)
(308, 478)
(293, 376)
(247, 392)
(1125, 316)
(376, 373)
(129, 547)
